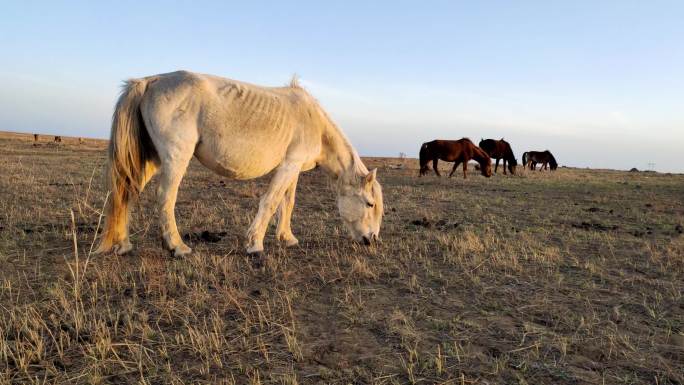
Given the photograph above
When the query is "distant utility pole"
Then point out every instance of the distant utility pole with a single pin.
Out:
(651, 166)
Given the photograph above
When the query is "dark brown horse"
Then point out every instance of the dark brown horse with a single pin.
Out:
(457, 151)
(500, 149)
(531, 158)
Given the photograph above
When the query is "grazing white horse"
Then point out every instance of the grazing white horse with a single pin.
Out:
(238, 130)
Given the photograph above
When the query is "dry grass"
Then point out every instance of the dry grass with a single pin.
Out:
(564, 278)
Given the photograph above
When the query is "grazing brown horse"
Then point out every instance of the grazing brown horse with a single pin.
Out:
(500, 149)
(531, 158)
(58, 139)
(457, 151)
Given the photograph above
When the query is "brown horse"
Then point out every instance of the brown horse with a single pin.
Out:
(457, 151)
(500, 149)
(58, 139)
(531, 158)
(35, 137)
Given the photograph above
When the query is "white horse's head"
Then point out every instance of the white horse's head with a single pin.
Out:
(360, 205)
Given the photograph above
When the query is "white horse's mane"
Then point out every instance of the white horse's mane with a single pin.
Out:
(357, 166)
(294, 82)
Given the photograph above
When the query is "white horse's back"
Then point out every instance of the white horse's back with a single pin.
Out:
(243, 131)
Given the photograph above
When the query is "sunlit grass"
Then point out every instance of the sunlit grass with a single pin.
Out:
(561, 278)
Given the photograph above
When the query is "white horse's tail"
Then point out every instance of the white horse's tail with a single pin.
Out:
(132, 160)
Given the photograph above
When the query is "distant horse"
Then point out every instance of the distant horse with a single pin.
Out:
(58, 139)
(238, 130)
(35, 137)
(500, 149)
(531, 158)
(457, 151)
(81, 141)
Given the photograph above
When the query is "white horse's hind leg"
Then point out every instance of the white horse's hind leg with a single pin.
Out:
(172, 171)
(125, 245)
(284, 231)
(285, 175)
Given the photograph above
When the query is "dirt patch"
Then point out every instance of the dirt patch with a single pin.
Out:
(205, 236)
(641, 233)
(595, 226)
(64, 184)
(441, 224)
(422, 222)
(81, 228)
(595, 209)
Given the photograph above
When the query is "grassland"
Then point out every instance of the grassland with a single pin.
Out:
(571, 277)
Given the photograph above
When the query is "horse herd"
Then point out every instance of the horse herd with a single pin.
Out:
(243, 131)
(57, 139)
(464, 150)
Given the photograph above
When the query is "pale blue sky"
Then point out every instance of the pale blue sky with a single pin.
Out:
(600, 83)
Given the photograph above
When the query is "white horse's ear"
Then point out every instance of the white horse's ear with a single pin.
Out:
(370, 177)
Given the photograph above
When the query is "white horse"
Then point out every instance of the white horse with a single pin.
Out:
(237, 130)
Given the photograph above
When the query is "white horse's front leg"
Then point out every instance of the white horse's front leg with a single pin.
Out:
(284, 231)
(285, 175)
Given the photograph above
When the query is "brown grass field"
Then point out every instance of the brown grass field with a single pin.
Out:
(571, 277)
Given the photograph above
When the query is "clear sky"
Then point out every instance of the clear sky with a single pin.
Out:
(599, 83)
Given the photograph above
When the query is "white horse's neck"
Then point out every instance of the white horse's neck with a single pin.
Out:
(338, 157)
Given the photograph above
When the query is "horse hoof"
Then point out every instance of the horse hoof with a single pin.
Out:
(289, 242)
(122, 248)
(181, 251)
(258, 259)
